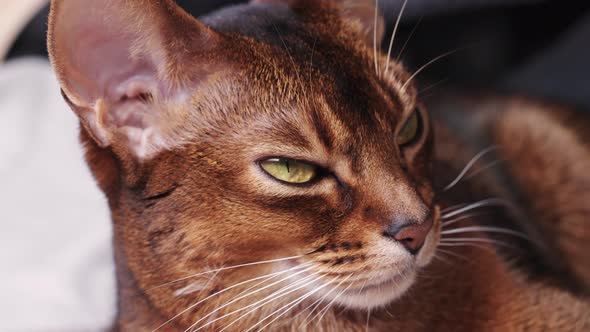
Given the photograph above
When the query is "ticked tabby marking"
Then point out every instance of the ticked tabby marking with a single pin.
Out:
(247, 198)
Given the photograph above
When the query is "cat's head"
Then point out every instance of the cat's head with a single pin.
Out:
(262, 132)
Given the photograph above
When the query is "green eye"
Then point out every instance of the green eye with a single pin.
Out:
(289, 170)
(410, 130)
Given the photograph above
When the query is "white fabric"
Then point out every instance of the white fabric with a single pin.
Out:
(56, 268)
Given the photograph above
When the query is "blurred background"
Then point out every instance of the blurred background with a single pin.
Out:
(56, 272)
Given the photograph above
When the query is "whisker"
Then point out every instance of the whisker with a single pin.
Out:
(224, 269)
(475, 245)
(421, 69)
(315, 305)
(265, 277)
(325, 310)
(482, 203)
(433, 85)
(452, 207)
(193, 288)
(450, 253)
(323, 297)
(485, 229)
(481, 240)
(444, 260)
(429, 276)
(399, 18)
(239, 298)
(401, 52)
(375, 37)
(262, 282)
(273, 297)
(291, 307)
(389, 313)
(469, 165)
(365, 284)
(296, 301)
(457, 219)
(484, 168)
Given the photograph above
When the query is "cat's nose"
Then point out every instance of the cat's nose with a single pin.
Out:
(410, 234)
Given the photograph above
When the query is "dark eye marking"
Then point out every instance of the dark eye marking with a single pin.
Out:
(321, 127)
(151, 200)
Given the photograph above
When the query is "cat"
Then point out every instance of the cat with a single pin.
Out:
(267, 167)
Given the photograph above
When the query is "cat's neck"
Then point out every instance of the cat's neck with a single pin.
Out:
(135, 311)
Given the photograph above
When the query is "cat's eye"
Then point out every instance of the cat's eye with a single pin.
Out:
(411, 130)
(289, 170)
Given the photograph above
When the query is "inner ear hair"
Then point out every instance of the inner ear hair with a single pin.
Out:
(122, 75)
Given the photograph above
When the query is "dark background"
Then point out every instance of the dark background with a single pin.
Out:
(533, 47)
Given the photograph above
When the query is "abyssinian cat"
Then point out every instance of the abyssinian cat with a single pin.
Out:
(268, 168)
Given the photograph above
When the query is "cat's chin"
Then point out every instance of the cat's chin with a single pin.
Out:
(376, 295)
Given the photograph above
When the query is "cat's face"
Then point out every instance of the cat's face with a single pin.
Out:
(325, 178)
(289, 149)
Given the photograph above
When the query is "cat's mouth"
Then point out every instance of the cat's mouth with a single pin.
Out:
(371, 282)
(373, 273)
(368, 293)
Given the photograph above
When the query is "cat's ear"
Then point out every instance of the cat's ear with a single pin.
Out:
(364, 14)
(122, 66)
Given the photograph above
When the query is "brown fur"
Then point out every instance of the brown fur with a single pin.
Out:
(309, 90)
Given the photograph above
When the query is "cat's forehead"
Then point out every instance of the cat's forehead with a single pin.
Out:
(276, 112)
(300, 86)
(323, 54)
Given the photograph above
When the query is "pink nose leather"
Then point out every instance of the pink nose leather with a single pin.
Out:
(411, 235)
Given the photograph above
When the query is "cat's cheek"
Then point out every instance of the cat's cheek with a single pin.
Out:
(432, 240)
(426, 192)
